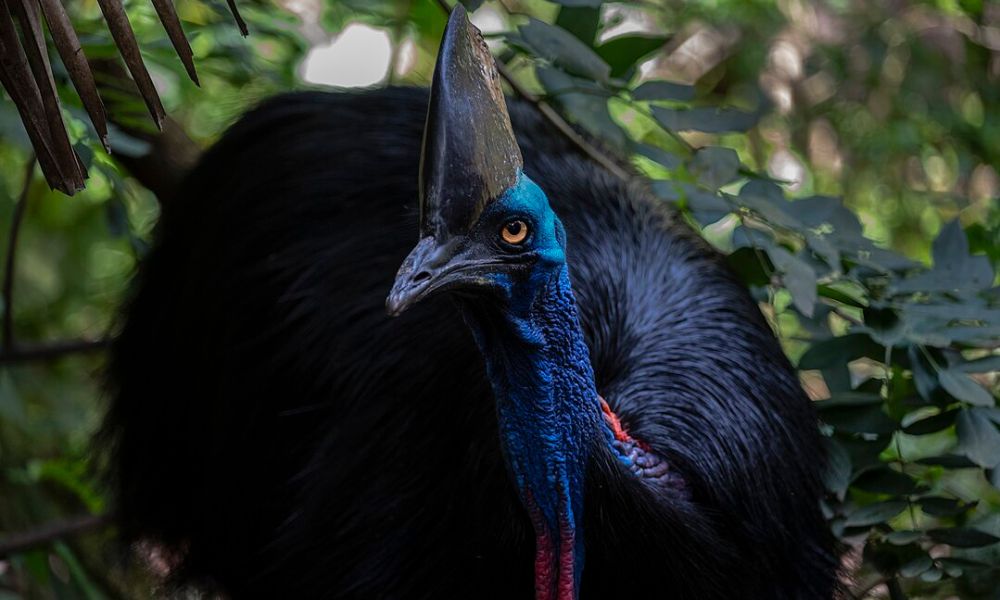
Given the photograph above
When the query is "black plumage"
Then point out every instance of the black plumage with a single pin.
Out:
(272, 426)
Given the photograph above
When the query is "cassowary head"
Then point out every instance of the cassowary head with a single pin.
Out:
(485, 227)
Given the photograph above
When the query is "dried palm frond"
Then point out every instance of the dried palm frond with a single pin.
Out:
(26, 75)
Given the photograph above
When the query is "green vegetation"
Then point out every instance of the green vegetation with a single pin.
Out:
(842, 153)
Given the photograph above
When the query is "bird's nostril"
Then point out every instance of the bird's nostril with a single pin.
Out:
(421, 276)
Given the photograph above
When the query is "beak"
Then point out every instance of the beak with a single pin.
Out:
(430, 268)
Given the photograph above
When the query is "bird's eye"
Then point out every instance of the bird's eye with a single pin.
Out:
(514, 232)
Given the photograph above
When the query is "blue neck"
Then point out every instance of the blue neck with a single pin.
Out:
(549, 415)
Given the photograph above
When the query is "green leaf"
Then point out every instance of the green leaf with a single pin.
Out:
(590, 3)
(588, 110)
(932, 424)
(768, 201)
(658, 155)
(821, 247)
(746, 263)
(944, 507)
(707, 119)
(837, 475)
(986, 364)
(978, 438)
(715, 166)
(948, 461)
(954, 269)
(884, 325)
(625, 52)
(963, 537)
(833, 293)
(562, 49)
(883, 480)
(950, 248)
(873, 514)
(840, 351)
(663, 90)
(963, 388)
(924, 374)
(817, 211)
(581, 21)
(916, 566)
(904, 537)
(849, 399)
(859, 419)
(797, 276)
(955, 567)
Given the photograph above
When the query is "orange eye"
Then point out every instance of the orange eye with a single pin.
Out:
(514, 232)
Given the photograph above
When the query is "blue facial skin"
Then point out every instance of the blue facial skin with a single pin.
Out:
(538, 364)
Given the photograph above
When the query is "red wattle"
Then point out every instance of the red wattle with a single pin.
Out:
(554, 573)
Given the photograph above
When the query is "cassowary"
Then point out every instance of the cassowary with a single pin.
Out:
(614, 419)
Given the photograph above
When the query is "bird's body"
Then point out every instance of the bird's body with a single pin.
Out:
(276, 429)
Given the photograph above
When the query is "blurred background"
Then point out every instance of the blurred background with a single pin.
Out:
(888, 109)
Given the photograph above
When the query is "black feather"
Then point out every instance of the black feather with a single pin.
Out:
(270, 424)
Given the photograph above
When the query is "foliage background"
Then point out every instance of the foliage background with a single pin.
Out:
(817, 142)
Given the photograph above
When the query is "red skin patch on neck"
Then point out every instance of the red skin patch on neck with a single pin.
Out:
(554, 577)
(567, 567)
(616, 426)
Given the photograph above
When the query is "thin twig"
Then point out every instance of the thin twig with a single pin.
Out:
(51, 351)
(50, 532)
(554, 118)
(8, 276)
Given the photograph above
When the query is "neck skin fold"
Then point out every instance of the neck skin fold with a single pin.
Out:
(549, 415)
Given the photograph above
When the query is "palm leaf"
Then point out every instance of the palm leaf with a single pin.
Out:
(26, 75)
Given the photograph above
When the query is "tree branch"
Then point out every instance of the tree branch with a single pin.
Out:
(51, 351)
(552, 116)
(8, 277)
(50, 532)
